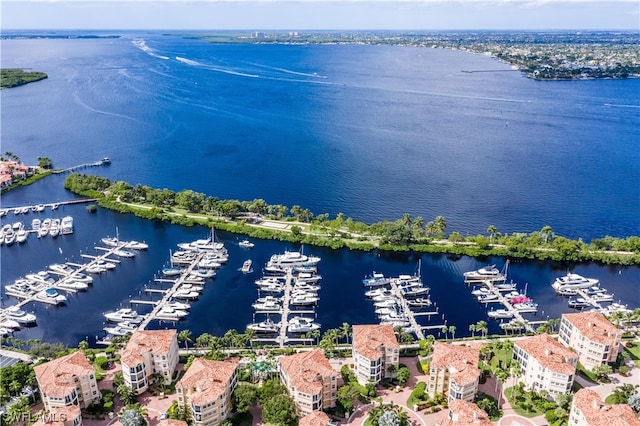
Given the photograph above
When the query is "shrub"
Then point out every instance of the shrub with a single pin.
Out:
(102, 362)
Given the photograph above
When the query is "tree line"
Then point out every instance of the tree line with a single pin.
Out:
(407, 233)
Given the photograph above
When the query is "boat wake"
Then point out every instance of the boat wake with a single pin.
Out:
(622, 106)
(216, 69)
(142, 45)
(97, 111)
(288, 71)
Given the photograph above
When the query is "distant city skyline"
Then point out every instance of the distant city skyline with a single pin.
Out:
(322, 15)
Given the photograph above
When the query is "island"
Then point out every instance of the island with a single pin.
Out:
(13, 77)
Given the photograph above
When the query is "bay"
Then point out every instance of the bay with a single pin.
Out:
(370, 131)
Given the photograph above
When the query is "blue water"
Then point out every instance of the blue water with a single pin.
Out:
(370, 131)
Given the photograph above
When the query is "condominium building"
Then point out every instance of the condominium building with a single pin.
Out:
(315, 418)
(375, 349)
(588, 408)
(310, 380)
(545, 364)
(465, 413)
(65, 381)
(70, 415)
(454, 371)
(147, 353)
(206, 390)
(592, 336)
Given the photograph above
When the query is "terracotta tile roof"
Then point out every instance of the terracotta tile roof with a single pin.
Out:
(549, 353)
(56, 378)
(306, 369)
(597, 413)
(59, 415)
(154, 341)
(594, 326)
(367, 339)
(315, 418)
(172, 422)
(465, 413)
(206, 380)
(461, 361)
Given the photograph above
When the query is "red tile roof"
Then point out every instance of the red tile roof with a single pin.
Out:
(154, 341)
(461, 361)
(315, 418)
(56, 377)
(206, 380)
(466, 413)
(368, 339)
(594, 326)
(549, 353)
(306, 370)
(597, 413)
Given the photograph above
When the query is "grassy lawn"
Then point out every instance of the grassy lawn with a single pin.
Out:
(634, 353)
(521, 403)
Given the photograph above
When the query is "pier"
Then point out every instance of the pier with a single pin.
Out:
(516, 313)
(83, 166)
(52, 206)
(286, 298)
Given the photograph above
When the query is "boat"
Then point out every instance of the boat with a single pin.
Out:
(578, 303)
(291, 259)
(22, 288)
(4, 331)
(106, 160)
(61, 268)
(51, 296)
(415, 292)
(43, 231)
(505, 286)
(308, 277)
(484, 298)
(136, 245)
(301, 325)
(272, 288)
(123, 253)
(185, 294)
(66, 225)
(105, 264)
(246, 244)
(419, 302)
(514, 325)
(171, 314)
(396, 323)
(306, 287)
(54, 206)
(384, 292)
(500, 313)
(267, 306)
(266, 326)
(385, 310)
(573, 281)
(268, 281)
(526, 307)
(41, 277)
(21, 236)
(72, 284)
(16, 314)
(303, 300)
(17, 211)
(54, 229)
(602, 297)
(178, 305)
(10, 237)
(209, 264)
(201, 274)
(40, 207)
(486, 273)
(481, 291)
(110, 241)
(124, 314)
(208, 244)
(246, 266)
(171, 271)
(375, 280)
(10, 324)
(566, 291)
(595, 290)
(269, 299)
(24, 210)
(520, 299)
(191, 287)
(117, 331)
(95, 269)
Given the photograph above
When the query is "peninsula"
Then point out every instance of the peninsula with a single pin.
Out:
(13, 77)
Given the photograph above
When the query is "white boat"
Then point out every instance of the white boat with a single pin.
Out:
(124, 314)
(43, 231)
(123, 253)
(483, 298)
(526, 307)
(396, 323)
(66, 225)
(51, 296)
(307, 287)
(573, 281)
(95, 269)
(202, 273)
(24, 210)
(16, 226)
(246, 266)
(171, 271)
(414, 292)
(171, 314)
(209, 264)
(379, 292)
(301, 325)
(21, 236)
(268, 281)
(267, 306)
(602, 297)
(185, 294)
(61, 268)
(420, 302)
(308, 277)
(105, 264)
(578, 303)
(208, 244)
(16, 314)
(72, 284)
(486, 273)
(266, 326)
(117, 330)
(40, 208)
(303, 300)
(5, 331)
(290, 259)
(178, 305)
(10, 324)
(22, 288)
(136, 245)
(42, 277)
(272, 288)
(375, 280)
(505, 286)
(269, 299)
(54, 230)
(514, 325)
(110, 241)
(54, 206)
(191, 287)
(481, 291)
(385, 310)
(500, 313)
(246, 244)
(10, 237)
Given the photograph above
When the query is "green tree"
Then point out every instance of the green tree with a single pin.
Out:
(602, 372)
(472, 329)
(403, 375)
(185, 336)
(491, 230)
(279, 410)
(131, 417)
(345, 331)
(127, 395)
(244, 397)
(452, 331)
(269, 389)
(546, 232)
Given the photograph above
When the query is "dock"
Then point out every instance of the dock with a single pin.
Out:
(517, 317)
(284, 318)
(82, 166)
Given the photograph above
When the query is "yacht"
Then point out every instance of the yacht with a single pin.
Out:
(500, 313)
(40, 208)
(395, 323)
(271, 288)
(269, 299)
(573, 281)
(123, 253)
(51, 296)
(304, 299)
(246, 244)
(201, 274)
(171, 314)
(10, 237)
(602, 297)
(595, 290)
(302, 325)
(124, 314)
(43, 231)
(481, 291)
(105, 264)
(117, 330)
(268, 281)
(16, 314)
(505, 286)
(379, 292)
(185, 294)
(290, 259)
(191, 287)
(484, 298)
(73, 284)
(246, 266)
(136, 245)
(267, 306)
(308, 277)
(21, 288)
(578, 303)
(375, 280)
(4, 331)
(566, 291)
(21, 236)
(110, 241)
(66, 225)
(61, 268)
(54, 229)
(420, 302)
(10, 324)
(174, 304)
(207, 245)
(514, 325)
(210, 263)
(41, 277)
(171, 271)
(486, 273)
(526, 307)
(307, 287)
(95, 269)
(266, 326)
(415, 292)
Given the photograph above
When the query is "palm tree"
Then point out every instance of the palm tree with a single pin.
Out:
(346, 331)
(501, 376)
(546, 232)
(483, 328)
(472, 329)
(185, 336)
(491, 230)
(440, 225)
(406, 220)
(250, 335)
(452, 330)
(444, 331)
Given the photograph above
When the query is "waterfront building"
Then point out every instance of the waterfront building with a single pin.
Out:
(69, 380)
(375, 349)
(310, 380)
(149, 352)
(206, 390)
(592, 336)
(545, 364)
(70, 415)
(588, 408)
(465, 413)
(454, 371)
(315, 418)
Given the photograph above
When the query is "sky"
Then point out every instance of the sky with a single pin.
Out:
(321, 14)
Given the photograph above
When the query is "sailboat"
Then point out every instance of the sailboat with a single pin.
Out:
(111, 242)
(171, 271)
